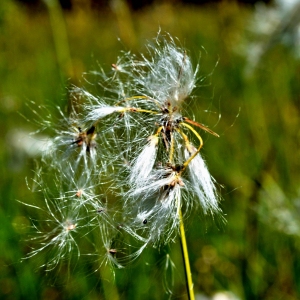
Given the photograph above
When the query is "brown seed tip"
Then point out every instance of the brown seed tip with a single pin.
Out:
(71, 227)
(112, 251)
(114, 66)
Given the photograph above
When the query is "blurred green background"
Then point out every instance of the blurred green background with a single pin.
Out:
(250, 57)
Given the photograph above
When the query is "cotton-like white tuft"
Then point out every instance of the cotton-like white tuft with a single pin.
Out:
(155, 205)
(98, 112)
(171, 76)
(202, 182)
(143, 164)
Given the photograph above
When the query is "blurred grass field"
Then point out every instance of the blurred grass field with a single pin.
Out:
(256, 159)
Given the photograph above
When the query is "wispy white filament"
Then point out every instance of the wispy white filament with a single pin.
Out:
(154, 206)
(171, 75)
(99, 112)
(143, 164)
(202, 183)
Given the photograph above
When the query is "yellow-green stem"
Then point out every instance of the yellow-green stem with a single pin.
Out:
(196, 152)
(188, 273)
(172, 148)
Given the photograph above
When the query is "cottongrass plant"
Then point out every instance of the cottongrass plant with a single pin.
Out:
(126, 167)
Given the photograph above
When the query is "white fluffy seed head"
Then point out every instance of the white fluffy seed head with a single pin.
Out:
(98, 112)
(154, 205)
(202, 182)
(56, 234)
(70, 140)
(143, 164)
(170, 75)
(140, 97)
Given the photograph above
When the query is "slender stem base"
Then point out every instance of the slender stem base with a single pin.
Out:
(188, 273)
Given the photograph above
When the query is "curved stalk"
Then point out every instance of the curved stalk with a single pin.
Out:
(138, 109)
(201, 126)
(138, 97)
(198, 150)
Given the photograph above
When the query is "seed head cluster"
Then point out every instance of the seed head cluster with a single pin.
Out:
(125, 161)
